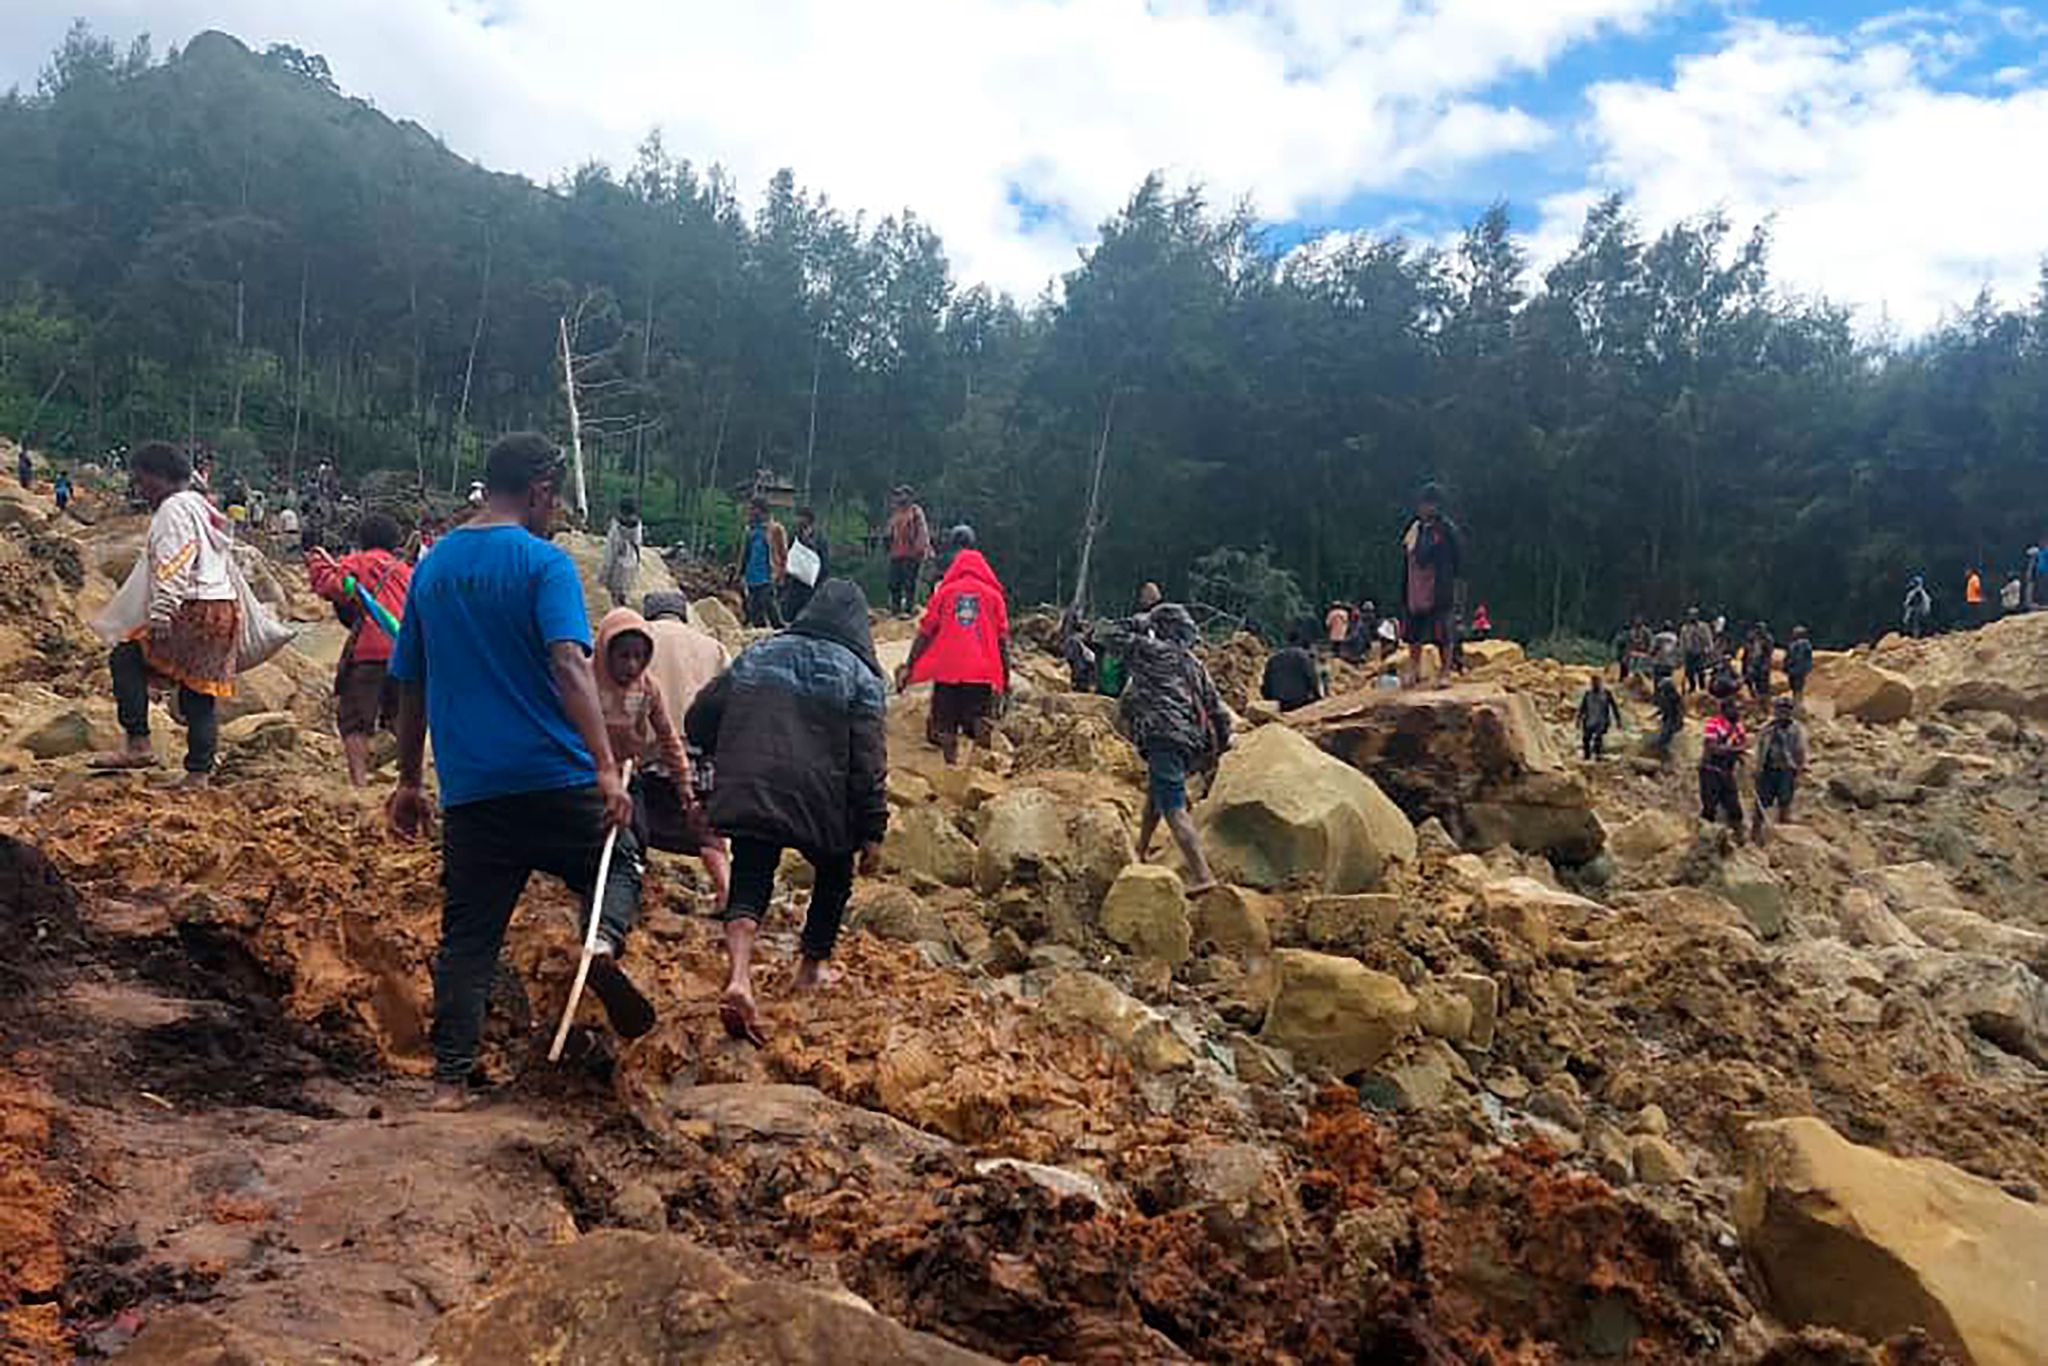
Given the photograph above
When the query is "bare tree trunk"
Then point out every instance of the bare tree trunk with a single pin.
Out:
(578, 488)
(640, 416)
(811, 437)
(476, 340)
(711, 479)
(1093, 521)
(298, 379)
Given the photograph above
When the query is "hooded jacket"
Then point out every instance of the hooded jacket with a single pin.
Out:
(964, 627)
(796, 727)
(636, 715)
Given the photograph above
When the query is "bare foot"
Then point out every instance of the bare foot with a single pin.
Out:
(815, 974)
(448, 1098)
(1202, 888)
(737, 1013)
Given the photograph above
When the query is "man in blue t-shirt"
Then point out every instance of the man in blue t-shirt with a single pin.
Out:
(764, 562)
(493, 659)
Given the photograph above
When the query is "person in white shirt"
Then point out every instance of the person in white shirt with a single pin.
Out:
(190, 624)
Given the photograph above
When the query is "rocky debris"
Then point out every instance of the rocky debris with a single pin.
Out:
(587, 550)
(621, 1296)
(1853, 1238)
(1284, 813)
(711, 616)
(1961, 931)
(1235, 922)
(1050, 859)
(924, 844)
(1532, 912)
(894, 912)
(1238, 666)
(1083, 998)
(1488, 654)
(1862, 787)
(1647, 836)
(1476, 757)
(1347, 924)
(1146, 911)
(2001, 668)
(2000, 1001)
(1860, 690)
(64, 731)
(1866, 921)
(1335, 1014)
(1749, 884)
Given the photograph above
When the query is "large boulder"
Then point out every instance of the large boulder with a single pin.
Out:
(1129, 1025)
(621, 1296)
(1747, 881)
(1477, 757)
(1853, 1238)
(1911, 886)
(715, 619)
(2002, 1002)
(1949, 927)
(587, 550)
(1532, 911)
(1146, 911)
(1282, 813)
(924, 843)
(1023, 839)
(1335, 1014)
(1861, 690)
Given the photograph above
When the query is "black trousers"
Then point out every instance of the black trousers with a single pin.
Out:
(754, 863)
(764, 608)
(1720, 797)
(1695, 672)
(796, 595)
(488, 851)
(1593, 742)
(131, 705)
(903, 585)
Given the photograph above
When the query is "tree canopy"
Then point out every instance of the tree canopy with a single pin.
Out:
(222, 245)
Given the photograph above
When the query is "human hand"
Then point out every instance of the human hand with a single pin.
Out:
(870, 859)
(618, 803)
(160, 635)
(408, 812)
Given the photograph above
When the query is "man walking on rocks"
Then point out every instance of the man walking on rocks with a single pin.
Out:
(1670, 716)
(1781, 759)
(364, 697)
(1799, 662)
(1173, 714)
(1597, 712)
(1696, 644)
(1725, 746)
(797, 729)
(494, 659)
(910, 545)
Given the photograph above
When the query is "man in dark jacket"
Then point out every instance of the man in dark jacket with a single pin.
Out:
(1292, 678)
(1173, 714)
(1431, 560)
(1598, 712)
(796, 727)
(1799, 662)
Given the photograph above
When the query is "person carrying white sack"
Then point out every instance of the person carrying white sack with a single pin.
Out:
(185, 618)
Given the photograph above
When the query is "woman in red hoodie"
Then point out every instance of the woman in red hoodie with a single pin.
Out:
(962, 647)
(364, 698)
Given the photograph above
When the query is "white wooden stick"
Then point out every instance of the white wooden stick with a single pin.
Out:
(604, 869)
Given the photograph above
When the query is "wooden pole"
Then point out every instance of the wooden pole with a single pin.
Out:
(1090, 526)
(577, 489)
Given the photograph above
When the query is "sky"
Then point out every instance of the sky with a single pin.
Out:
(1892, 150)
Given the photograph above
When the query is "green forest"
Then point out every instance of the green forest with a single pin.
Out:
(223, 245)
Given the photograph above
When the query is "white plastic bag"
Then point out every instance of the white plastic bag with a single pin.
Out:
(258, 633)
(804, 564)
(129, 610)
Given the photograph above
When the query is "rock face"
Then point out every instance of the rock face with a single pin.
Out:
(1963, 931)
(1335, 1013)
(1477, 757)
(1146, 911)
(1853, 1238)
(923, 842)
(2003, 1002)
(1283, 813)
(1860, 690)
(638, 1297)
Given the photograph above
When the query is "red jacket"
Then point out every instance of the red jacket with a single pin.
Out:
(964, 626)
(381, 572)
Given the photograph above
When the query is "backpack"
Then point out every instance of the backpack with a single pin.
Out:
(1799, 657)
(1777, 747)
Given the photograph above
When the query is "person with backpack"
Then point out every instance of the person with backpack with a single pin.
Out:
(1597, 712)
(1781, 759)
(365, 698)
(1799, 663)
(1174, 716)
(1918, 609)
(1696, 649)
(1725, 745)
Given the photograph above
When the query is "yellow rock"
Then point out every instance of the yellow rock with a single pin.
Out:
(1853, 1238)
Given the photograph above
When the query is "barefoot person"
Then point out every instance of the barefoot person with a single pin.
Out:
(494, 659)
(685, 662)
(642, 727)
(796, 727)
(1172, 713)
(189, 633)
(365, 700)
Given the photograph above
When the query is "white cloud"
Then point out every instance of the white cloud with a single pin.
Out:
(937, 105)
(1887, 192)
